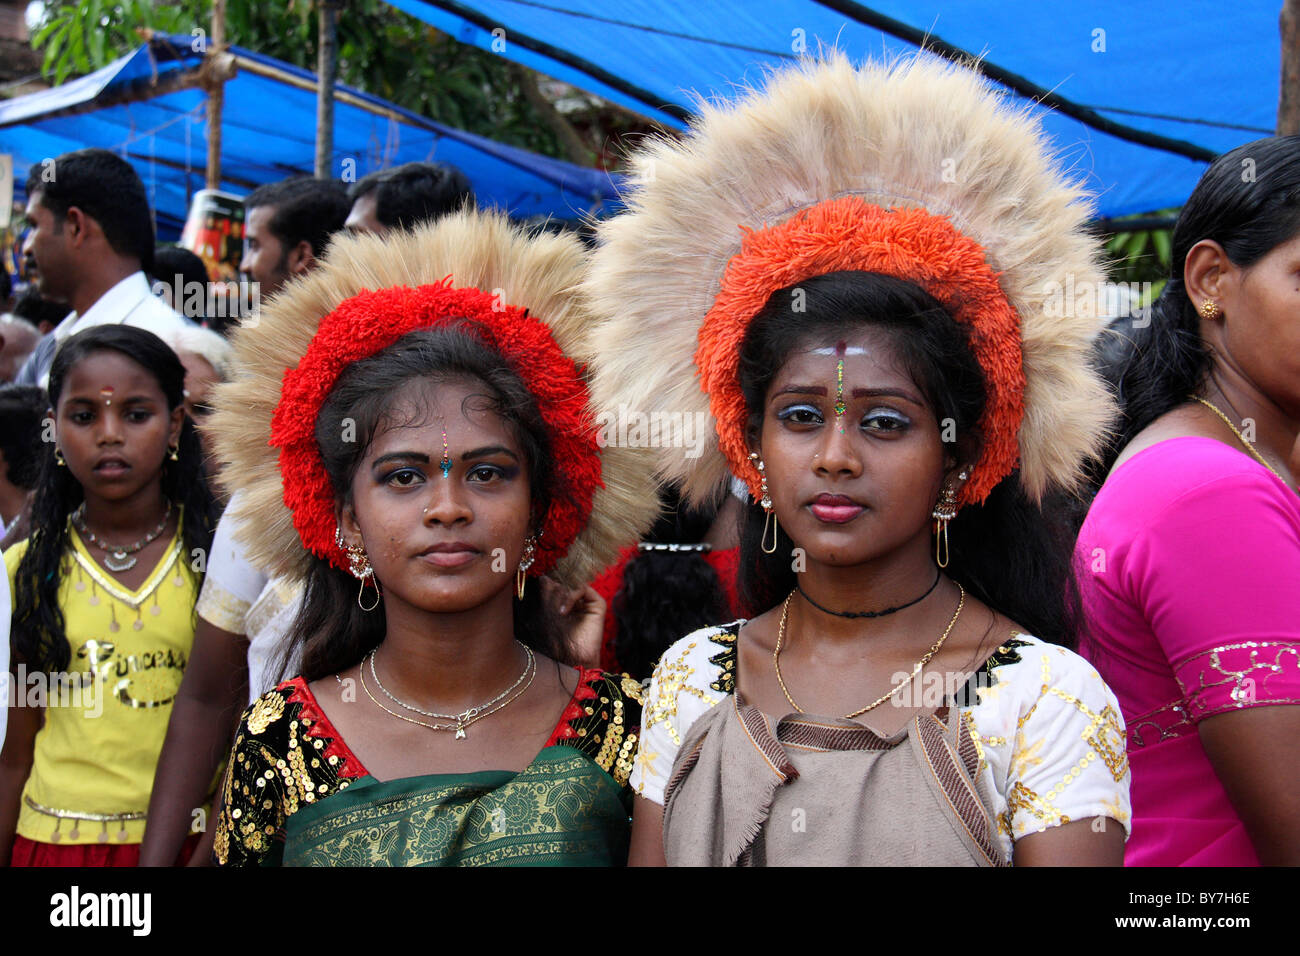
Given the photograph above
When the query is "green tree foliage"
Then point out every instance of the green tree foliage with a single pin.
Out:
(1141, 255)
(382, 51)
(83, 36)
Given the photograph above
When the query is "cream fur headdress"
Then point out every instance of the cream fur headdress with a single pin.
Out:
(477, 250)
(915, 134)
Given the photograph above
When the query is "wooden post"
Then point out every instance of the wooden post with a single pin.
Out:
(216, 95)
(326, 66)
(1288, 101)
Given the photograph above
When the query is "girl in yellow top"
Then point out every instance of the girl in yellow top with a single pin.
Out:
(104, 594)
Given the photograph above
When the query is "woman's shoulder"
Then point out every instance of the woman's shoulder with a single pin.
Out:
(270, 715)
(693, 674)
(602, 720)
(1029, 668)
(13, 555)
(1031, 686)
(1186, 466)
(704, 658)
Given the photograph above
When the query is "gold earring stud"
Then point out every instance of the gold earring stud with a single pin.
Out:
(1209, 309)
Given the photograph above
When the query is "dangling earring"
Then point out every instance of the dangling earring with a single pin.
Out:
(59, 459)
(173, 452)
(359, 566)
(944, 511)
(521, 575)
(769, 519)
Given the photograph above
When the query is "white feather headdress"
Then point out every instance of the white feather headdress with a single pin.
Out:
(919, 133)
(478, 250)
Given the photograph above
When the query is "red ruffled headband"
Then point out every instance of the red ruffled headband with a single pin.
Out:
(850, 233)
(370, 322)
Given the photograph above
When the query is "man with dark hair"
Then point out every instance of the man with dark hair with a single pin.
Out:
(181, 280)
(39, 311)
(90, 243)
(22, 408)
(287, 226)
(404, 197)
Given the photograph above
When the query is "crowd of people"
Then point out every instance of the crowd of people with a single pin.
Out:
(952, 577)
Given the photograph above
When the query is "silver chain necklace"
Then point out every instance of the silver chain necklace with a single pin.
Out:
(117, 557)
(467, 716)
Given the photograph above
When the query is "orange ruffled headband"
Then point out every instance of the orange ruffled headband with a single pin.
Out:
(849, 233)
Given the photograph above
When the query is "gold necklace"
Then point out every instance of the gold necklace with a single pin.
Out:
(934, 649)
(1249, 446)
(459, 726)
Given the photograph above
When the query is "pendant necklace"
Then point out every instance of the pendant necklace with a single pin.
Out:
(465, 717)
(117, 557)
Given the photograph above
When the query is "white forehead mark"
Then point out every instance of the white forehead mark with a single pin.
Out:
(831, 350)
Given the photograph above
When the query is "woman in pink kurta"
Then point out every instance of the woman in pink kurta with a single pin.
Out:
(1188, 563)
(1191, 580)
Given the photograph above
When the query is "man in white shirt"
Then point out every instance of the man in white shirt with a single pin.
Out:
(91, 242)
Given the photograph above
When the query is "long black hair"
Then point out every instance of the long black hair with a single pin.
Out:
(666, 594)
(332, 630)
(1248, 201)
(1007, 552)
(39, 637)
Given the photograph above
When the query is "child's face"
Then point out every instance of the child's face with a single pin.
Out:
(441, 543)
(113, 425)
(853, 487)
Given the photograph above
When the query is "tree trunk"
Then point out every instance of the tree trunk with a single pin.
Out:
(575, 150)
(216, 96)
(326, 66)
(1288, 102)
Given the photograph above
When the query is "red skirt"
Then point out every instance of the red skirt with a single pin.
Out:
(31, 853)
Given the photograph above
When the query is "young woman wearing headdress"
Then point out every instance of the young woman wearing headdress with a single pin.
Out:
(849, 273)
(1189, 559)
(437, 452)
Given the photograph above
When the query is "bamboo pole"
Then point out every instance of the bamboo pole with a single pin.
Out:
(326, 67)
(216, 95)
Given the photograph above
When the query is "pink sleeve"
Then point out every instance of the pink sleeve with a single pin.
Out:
(1217, 573)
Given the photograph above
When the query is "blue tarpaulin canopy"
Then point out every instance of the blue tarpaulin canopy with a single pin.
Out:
(268, 133)
(1141, 95)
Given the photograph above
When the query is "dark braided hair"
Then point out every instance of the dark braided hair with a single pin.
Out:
(665, 595)
(39, 638)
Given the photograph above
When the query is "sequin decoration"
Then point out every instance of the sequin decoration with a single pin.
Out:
(445, 463)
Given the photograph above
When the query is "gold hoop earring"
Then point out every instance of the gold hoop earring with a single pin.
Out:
(1209, 309)
(362, 590)
(59, 459)
(769, 519)
(521, 573)
(944, 511)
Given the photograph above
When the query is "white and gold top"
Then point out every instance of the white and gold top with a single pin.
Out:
(239, 598)
(1047, 729)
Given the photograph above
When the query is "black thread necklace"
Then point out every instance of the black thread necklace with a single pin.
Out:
(886, 611)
